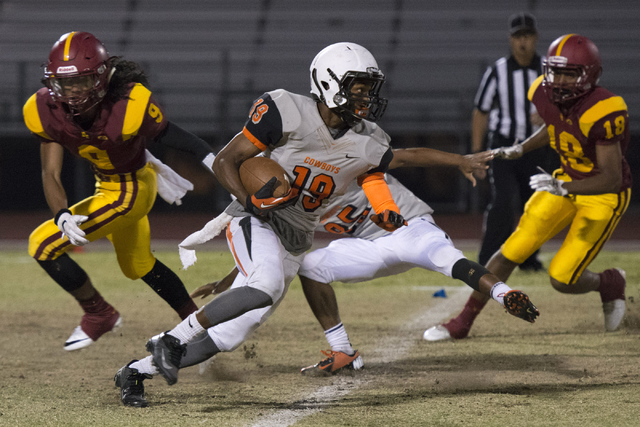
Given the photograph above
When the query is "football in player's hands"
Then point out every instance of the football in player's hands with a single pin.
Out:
(258, 171)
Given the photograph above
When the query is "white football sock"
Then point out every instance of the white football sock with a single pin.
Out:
(338, 339)
(498, 292)
(145, 366)
(187, 329)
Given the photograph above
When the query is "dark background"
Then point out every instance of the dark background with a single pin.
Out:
(208, 60)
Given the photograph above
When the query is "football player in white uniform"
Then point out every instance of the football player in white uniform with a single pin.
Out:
(372, 252)
(323, 144)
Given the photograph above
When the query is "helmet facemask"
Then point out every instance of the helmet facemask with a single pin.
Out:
(81, 92)
(561, 91)
(358, 97)
(572, 69)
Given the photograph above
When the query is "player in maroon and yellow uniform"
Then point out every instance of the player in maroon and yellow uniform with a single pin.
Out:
(99, 108)
(589, 128)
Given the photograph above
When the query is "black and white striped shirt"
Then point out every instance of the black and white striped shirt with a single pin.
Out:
(503, 93)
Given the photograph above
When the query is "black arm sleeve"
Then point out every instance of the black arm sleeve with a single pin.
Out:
(175, 137)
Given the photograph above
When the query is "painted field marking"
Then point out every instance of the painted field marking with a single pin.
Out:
(387, 349)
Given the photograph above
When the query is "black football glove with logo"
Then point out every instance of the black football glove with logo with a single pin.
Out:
(518, 304)
(263, 200)
(388, 220)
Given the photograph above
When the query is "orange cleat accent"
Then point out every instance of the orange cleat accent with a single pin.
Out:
(335, 361)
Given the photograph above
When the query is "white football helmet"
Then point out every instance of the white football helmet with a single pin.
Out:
(335, 70)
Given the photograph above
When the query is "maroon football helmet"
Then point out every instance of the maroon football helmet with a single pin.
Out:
(78, 71)
(573, 54)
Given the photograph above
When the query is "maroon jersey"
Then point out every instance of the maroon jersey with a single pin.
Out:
(601, 118)
(117, 139)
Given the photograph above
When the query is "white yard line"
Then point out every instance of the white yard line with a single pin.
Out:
(387, 349)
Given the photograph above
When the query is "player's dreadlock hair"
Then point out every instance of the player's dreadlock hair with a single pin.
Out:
(126, 72)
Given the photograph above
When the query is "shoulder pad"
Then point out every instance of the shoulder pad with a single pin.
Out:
(534, 86)
(377, 132)
(374, 149)
(289, 107)
(32, 117)
(136, 108)
(600, 110)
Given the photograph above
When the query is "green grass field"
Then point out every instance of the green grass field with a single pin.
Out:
(562, 371)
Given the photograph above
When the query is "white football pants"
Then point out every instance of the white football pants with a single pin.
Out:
(263, 263)
(419, 244)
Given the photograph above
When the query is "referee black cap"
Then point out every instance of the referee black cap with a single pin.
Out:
(522, 23)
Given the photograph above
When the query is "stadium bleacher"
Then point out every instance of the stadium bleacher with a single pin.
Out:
(208, 60)
(200, 51)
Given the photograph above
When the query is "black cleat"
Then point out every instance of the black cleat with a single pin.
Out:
(167, 352)
(518, 304)
(131, 388)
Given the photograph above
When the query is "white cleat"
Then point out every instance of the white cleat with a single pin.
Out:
(79, 339)
(614, 310)
(613, 314)
(437, 333)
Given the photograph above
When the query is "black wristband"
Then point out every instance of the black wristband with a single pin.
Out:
(60, 212)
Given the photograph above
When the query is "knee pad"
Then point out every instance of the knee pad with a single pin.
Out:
(469, 272)
(234, 303)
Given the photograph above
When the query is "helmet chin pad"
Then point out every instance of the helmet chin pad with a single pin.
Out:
(353, 104)
(562, 92)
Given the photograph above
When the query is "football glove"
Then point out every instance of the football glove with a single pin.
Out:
(546, 182)
(68, 225)
(389, 220)
(509, 153)
(518, 304)
(263, 201)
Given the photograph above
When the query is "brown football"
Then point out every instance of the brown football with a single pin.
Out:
(257, 171)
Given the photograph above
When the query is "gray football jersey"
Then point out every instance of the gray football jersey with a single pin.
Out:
(350, 213)
(292, 132)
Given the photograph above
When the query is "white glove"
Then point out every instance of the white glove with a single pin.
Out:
(545, 182)
(68, 224)
(508, 153)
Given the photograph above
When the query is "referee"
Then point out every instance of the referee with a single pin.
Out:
(503, 109)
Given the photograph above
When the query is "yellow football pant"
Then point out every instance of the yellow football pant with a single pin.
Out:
(117, 210)
(592, 220)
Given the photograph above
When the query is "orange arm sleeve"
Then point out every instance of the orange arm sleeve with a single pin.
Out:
(378, 193)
